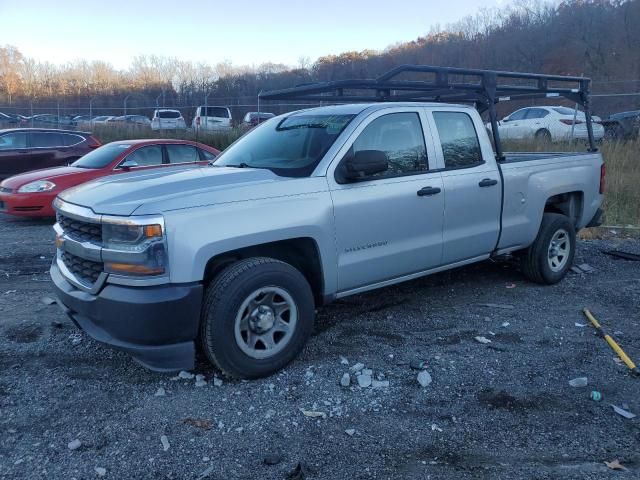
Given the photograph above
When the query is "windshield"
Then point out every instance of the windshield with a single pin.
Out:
(102, 156)
(291, 147)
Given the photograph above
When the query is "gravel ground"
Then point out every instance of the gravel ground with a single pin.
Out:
(500, 410)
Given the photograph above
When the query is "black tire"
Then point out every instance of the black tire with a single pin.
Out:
(536, 263)
(224, 298)
(543, 135)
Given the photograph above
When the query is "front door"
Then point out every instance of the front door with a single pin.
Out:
(389, 224)
(14, 155)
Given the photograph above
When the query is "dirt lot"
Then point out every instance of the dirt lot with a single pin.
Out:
(502, 410)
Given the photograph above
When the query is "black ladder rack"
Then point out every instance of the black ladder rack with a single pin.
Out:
(483, 88)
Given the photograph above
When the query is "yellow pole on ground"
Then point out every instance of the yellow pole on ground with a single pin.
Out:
(612, 343)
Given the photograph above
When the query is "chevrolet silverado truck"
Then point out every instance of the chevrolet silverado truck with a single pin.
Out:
(308, 207)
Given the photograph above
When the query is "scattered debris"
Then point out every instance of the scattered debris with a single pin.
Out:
(424, 379)
(435, 428)
(202, 423)
(511, 285)
(208, 471)
(505, 324)
(74, 444)
(580, 325)
(364, 380)
(583, 268)
(357, 367)
(185, 375)
(160, 392)
(165, 442)
(579, 382)
(623, 412)
(596, 396)
(575, 269)
(10, 291)
(313, 414)
(272, 459)
(298, 473)
(76, 338)
(615, 465)
(343, 360)
(504, 306)
(379, 383)
(48, 300)
(623, 255)
(345, 381)
(418, 365)
(480, 339)
(100, 471)
(350, 431)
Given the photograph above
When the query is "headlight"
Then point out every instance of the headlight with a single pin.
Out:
(37, 186)
(134, 250)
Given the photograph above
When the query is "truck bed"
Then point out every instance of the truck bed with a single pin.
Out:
(514, 157)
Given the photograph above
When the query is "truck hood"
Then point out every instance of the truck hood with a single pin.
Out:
(157, 191)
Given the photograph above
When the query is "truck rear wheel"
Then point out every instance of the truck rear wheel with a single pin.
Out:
(257, 315)
(550, 256)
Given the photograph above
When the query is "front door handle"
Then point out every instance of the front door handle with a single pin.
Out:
(428, 191)
(488, 182)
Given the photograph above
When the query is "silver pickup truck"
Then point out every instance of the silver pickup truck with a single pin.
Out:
(308, 207)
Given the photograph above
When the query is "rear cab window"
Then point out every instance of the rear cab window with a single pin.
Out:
(459, 140)
(168, 114)
(219, 112)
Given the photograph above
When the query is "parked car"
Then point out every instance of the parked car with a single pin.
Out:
(552, 124)
(622, 125)
(212, 119)
(48, 120)
(10, 120)
(252, 119)
(26, 149)
(313, 205)
(132, 120)
(31, 194)
(167, 119)
(101, 120)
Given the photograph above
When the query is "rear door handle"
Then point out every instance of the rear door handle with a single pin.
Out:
(428, 191)
(488, 182)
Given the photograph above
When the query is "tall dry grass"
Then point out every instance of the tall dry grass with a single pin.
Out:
(622, 199)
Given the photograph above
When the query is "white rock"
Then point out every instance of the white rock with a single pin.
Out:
(165, 442)
(343, 360)
(357, 367)
(160, 392)
(350, 431)
(364, 380)
(74, 444)
(200, 377)
(424, 378)
(185, 375)
(367, 371)
(579, 382)
(345, 381)
(101, 472)
(505, 324)
(217, 382)
(379, 383)
(482, 339)
(201, 383)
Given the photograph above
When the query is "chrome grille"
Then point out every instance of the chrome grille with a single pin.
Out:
(86, 271)
(81, 231)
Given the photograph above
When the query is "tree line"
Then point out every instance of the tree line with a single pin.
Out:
(596, 38)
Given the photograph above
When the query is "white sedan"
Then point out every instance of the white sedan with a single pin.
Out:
(547, 123)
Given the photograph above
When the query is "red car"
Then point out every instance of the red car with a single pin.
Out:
(31, 194)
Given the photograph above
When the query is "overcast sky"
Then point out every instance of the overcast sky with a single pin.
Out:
(246, 32)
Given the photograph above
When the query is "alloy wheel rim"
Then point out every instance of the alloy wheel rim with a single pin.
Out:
(559, 250)
(265, 322)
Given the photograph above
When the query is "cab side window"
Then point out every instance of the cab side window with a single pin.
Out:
(399, 136)
(518, 115)
(146, 156)
(459, 140)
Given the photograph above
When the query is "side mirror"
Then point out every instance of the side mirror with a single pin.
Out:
(127, 164)
(365, 163)
(506, 119)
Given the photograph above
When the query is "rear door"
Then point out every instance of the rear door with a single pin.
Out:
(14, 155)
(47, 150)
(472, 187)
(511, 128)
(384, 227)
(178, 154)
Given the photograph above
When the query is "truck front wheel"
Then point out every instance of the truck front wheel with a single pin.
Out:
(550, 256)
(257, 315)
